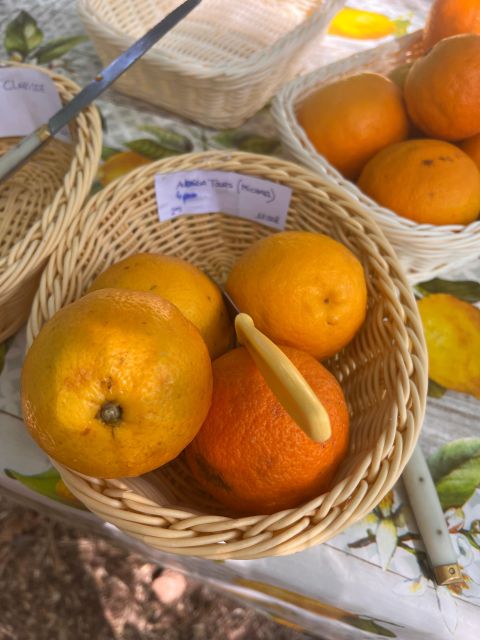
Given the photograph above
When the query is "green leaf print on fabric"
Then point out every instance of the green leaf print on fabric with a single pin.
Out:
(108, 152)
(150, 148)
(57, 48)
(467, 290)
(455, 469)
(366, 624)
(435, 390)
(48, 483)
(169, 139)
(244, 141)
(22, 35)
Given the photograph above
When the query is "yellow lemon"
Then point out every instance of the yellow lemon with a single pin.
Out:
(361, 25)
(452, 332)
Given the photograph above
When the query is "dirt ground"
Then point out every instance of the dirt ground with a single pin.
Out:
(57, 583)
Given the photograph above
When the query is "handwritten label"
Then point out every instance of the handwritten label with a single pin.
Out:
(28, 99)
(191, 192)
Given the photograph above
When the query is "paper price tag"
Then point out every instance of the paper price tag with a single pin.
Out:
(28, 99)
(191, 192)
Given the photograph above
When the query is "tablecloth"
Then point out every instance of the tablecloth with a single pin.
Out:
(369, 581)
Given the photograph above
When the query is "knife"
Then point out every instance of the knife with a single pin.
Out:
(284, 379)
(428, 513)
(18, 155)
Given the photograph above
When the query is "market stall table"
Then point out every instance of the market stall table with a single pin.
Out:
(372, 579)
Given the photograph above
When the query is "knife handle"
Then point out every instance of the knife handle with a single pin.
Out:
(428, 513)
(18, 155)
(287, 383)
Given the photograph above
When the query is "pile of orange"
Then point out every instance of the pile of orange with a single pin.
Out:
(411, 140)
(307, 292)
(122, 381)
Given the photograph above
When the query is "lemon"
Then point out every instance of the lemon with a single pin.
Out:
(452, 332)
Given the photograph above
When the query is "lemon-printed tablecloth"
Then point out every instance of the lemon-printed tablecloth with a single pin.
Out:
(371, 580)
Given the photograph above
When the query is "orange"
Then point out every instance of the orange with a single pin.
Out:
(179, 282)
(429, 181)
(351, 119)
(450, 17)
(116, 384)
(302, 289)
(442, 89)
(119, 164)
(249, 453)
(471, 146)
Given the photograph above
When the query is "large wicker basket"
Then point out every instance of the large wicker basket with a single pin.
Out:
(222, 63)
(39, 203)
(425, 250)
(383, 371)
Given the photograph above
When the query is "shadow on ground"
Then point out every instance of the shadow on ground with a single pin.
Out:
(57, 583)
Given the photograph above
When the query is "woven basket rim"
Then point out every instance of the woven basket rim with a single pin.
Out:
(258, 62)
(87, 147)
(362, 494)
(283, 113)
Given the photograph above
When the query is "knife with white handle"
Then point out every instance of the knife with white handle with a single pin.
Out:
(430, 519)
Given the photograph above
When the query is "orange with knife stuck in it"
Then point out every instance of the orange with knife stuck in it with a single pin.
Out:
(250, 454)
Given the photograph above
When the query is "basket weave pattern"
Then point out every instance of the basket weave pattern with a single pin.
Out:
(383, 371)
(37, 205)
(425, 250)
(221, 64)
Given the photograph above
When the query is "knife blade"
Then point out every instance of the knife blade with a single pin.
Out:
(18, 155)
(282, 376)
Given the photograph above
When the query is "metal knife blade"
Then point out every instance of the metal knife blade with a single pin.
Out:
(13, 159)
(232, 308)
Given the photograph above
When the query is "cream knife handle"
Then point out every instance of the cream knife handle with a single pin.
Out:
(428, 513)
(287, 383)
(18, 155)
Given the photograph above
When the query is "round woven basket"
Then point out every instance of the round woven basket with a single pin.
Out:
(222, 63)
(425, 250)
(39, 202)
(383, 371)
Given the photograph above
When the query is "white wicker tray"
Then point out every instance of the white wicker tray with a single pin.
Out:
(222, 63)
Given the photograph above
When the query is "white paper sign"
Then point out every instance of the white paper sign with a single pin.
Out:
(191, 192)
(28, 99)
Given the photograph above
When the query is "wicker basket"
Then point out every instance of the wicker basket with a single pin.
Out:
(383, 371)
(425, 250)
(39, 203)
(222, 63)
